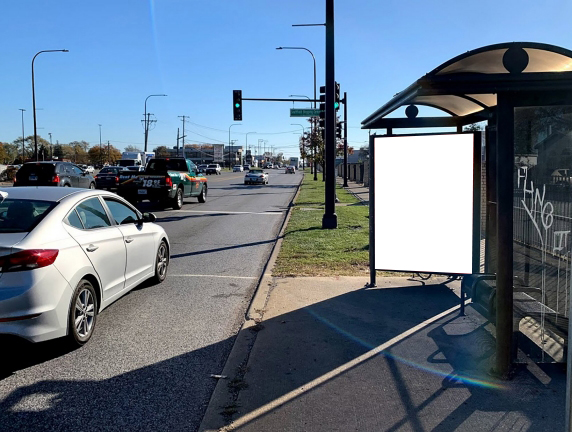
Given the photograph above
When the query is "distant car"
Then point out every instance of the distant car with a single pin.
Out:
(108, 178)
(246, 167)
(67, 254)
(202, 168)
(256, 176)
(90, 169)
(290, 170)
(213, 169)
(237, 168)
(52, 173)
(269, 166)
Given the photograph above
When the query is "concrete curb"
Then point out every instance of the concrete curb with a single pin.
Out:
(223, 399)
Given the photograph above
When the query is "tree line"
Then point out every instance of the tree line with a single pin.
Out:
(79, 152)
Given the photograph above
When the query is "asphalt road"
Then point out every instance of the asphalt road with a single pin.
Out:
(149, 362)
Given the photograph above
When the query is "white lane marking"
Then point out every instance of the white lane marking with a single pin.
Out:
(213, 276)
(277, 213)
(334, 373)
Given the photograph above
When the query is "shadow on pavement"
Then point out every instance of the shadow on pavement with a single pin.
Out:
(316, 368)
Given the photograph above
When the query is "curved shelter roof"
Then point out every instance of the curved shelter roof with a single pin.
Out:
(466, 86)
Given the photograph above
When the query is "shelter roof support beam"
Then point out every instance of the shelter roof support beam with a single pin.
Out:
(421, 122)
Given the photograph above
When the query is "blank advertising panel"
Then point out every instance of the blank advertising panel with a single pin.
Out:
(424, 203)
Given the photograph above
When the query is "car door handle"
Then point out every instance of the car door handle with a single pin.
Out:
(91, 248)
(128, 240)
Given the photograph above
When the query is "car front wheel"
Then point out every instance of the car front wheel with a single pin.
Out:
(83, 313)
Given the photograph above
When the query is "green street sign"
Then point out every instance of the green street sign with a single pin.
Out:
(304, 112)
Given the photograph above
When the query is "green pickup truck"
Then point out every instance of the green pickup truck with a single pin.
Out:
(166, 181)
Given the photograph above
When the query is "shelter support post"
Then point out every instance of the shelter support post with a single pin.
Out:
(491, 197)
(372, 281)
(504, 288)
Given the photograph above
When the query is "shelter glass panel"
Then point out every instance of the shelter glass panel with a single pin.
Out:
(542, 215)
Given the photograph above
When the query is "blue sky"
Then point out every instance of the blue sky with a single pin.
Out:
(198, 51)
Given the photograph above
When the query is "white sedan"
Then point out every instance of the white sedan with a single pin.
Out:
(256, 176)
(66, 254)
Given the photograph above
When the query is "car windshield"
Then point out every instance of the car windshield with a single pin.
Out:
(212, 166)
(18, 215)
(164, 165)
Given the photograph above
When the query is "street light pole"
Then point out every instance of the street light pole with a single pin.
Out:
(34, 99)
(146, 120)
(23, 137)
(100, 145)
(312, 124)
(234, 124)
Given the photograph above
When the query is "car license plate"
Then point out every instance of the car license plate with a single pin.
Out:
(33, 178)
(142, 191)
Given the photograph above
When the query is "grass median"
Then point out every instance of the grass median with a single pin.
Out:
(309, 250)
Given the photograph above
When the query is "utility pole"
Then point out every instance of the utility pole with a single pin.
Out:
(183, 117)
(178, 138)
(23, 137)
(51, 147)
(100, 145)
(330, 218)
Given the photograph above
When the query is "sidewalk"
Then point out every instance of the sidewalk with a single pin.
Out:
(327, 354)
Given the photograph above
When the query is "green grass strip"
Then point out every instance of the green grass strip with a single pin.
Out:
(309, 250)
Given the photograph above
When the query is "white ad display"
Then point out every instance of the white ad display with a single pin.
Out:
(217, 152)
(424, 203)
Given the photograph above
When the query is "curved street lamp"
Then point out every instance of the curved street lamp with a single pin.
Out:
(34, 98)
(146, 120)
(312, 133)
(303, 97)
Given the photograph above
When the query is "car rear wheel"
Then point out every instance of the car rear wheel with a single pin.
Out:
(178, 200)
(203, 195)
(83, 313)
(161, 262)
(92, 185)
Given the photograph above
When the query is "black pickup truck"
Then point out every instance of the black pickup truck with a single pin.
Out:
(166, 181)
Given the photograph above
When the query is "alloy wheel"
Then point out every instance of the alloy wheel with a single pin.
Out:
(84, 313)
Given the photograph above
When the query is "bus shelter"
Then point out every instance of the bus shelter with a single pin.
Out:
(523, 92)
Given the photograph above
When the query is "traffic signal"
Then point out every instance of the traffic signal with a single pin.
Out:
(322, 121)
(237, 104)
(337, 100)
(339, 130)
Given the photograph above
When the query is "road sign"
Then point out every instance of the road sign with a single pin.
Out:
(304, 112)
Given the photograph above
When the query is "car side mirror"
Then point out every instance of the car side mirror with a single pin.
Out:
(149, 217)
